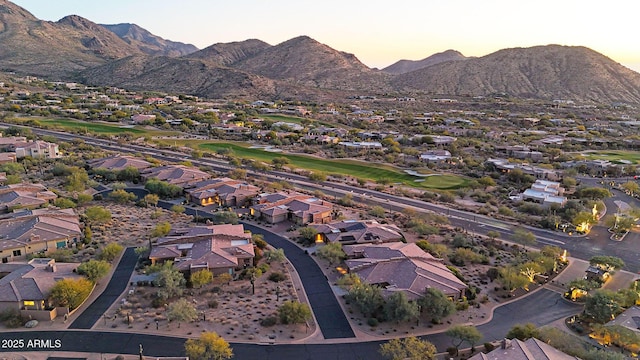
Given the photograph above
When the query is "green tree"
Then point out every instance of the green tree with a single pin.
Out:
(161, 229)
(366, 297)
(331, 252)
(83, 199)
(463, 333)
(94, 269)
(523, 332)
(492, 234)
(71, 292)
(225, 217)
(410, 348)
(239, 174)
(348, 280)
(631, 187)
(64, 203)
(181, 310)
(201, 278)
(280, 162)
(170, 280)
(609, 263)
(151, 199)
(511, 278)
(593, 193)
(398, 308)
(209, 346)
(97, 215)
(308, 234)
(178, 209)
(293, 312)
(276, 255)
(110, 252)
(524, 237)
(77, 180)
(121, 196)
(436, 304)
(377, 211)
(317, 176)
(602, 306)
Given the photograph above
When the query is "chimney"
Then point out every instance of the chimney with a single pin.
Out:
(505, 344)
(52, 267)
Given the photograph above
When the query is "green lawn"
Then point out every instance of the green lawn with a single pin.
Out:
(298, 120)
(98, 128)
(614, 156)
(358, 169)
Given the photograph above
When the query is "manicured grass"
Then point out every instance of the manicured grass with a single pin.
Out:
(98, 127)
(614, 156)
(358, 169)
(298, 120)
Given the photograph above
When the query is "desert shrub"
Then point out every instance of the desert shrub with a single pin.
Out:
(12, 319)
(269, 321)
(277, 277)
(372, 321)
(212, 304)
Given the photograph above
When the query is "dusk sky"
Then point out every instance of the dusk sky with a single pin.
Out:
(377, 32)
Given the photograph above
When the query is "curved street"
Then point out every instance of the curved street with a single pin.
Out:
(528, 309)
(117, 284)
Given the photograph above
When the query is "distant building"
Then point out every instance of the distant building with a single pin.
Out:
(24, 195)
(176, 174)
(119, 162)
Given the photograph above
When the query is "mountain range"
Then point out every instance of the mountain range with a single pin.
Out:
(126, 55)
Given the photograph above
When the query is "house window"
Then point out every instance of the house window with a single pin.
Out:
(29, 303)
(61, 244)
(17, 252)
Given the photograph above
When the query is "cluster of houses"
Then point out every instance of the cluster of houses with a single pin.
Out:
(13, 148)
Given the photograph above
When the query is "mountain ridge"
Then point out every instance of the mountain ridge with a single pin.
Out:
(75, 48)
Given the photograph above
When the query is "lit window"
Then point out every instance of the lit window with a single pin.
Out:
(29, 303)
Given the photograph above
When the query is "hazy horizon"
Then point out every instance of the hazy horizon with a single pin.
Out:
(376, 32)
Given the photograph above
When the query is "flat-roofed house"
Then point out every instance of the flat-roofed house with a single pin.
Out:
(222, 192)
(176, 174)
(357, 232)
(297, 208)
(36, 149)
(218, 248)
(37, 232)
(402, 267)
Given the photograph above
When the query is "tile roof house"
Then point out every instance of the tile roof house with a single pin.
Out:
(37, 231)
(402, 267)
(222, 192)
(176, 174)
(358, 232)
(531, 349)
(24, 195)
(219, 248)
(297, 208)
(26, 286)
(120, 162)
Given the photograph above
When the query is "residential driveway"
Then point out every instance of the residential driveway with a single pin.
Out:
(620, 280)
(331, 319)
(111, 293)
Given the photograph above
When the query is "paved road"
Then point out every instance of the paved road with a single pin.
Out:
(540, 308)
(114, 289)
(331, 319)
